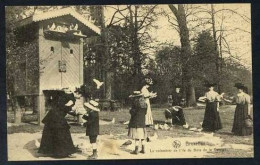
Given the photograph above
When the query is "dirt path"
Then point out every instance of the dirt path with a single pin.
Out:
(22, 146)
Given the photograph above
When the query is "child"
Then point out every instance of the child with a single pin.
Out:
(92, 125)
(137, 128)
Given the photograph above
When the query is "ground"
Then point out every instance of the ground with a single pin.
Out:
(177, 142)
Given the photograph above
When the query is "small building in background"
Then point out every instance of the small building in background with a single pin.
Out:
(51, 46)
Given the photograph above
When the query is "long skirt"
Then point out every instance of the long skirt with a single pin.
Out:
(137, 133)
(239, 127)
(56, 142)
(211, 120)
(148, 116)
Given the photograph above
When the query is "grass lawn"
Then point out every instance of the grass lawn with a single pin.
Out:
(193, 117)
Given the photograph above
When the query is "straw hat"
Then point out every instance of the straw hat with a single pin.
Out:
(210, 84)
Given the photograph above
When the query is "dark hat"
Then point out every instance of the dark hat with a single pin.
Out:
(239, 86)
(210, 84)
(148, 81)
(177, 86)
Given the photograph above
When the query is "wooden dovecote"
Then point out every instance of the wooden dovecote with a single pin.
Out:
(54, 53)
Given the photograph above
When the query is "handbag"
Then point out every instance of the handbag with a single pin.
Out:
(248, 122)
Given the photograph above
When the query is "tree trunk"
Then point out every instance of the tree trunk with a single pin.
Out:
(186, 53)
(215, 45)
(105, 61)
(135, 47)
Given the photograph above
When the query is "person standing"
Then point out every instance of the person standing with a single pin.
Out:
(92, 125)
(177, 98)
(56, 138)
(212, 121)
(242, 112)
(147, 95)
(137, 128)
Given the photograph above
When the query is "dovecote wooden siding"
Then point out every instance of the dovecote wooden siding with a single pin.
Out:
(68, 51)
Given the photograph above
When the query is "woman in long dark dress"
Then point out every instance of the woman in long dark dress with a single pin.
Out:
(242, 112)
(56, 138)
(212, 120)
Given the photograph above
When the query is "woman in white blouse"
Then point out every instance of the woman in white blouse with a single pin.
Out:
(147, 95)
(242, 112)
(212, 120)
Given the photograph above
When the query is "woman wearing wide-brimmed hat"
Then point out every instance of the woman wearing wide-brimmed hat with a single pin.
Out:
(137, 127)
(92, 124)
(212, 121)
(242, 112)
(56, 138)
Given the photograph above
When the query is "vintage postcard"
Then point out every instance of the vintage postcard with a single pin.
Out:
(129, 82)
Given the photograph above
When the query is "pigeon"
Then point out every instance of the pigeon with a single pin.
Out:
(113, 120)
(186, 126)
(98, 83)
(154, 137)
(71, 27)
(37, 144)
(69, 103)
(76, 27)
(193, 129)
(125, 123)
(53, 26)
(156, 126)
(200, 129)
(161, 126)
(128, 142)
(166, 127)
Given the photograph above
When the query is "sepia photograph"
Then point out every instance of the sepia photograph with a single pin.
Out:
(110, 82)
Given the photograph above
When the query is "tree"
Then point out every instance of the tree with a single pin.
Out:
(186, 52)
(137, 19)
(167, 71)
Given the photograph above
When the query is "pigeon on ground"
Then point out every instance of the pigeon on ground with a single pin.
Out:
(113, 120)
(128, 142)
(37, 144)
(126, 123)
(193, 129)
(186, 126)
(98, 83)
(156, 126)
(154, 137)
(161, 126)
(166, 127)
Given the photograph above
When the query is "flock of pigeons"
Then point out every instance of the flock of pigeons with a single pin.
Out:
(64, 28)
